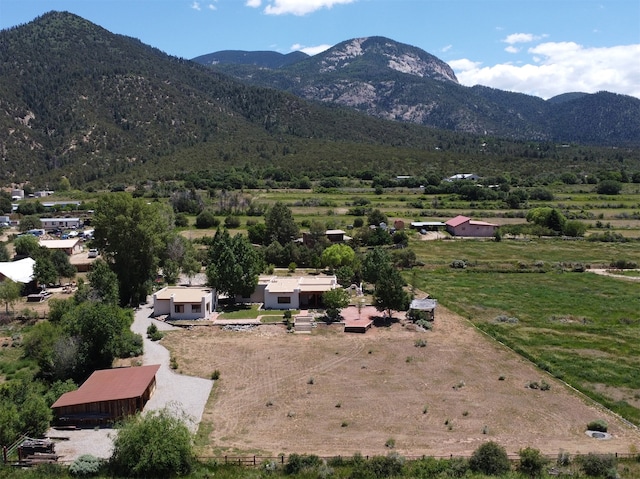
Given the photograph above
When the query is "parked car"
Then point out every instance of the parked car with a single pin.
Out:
(93, 253)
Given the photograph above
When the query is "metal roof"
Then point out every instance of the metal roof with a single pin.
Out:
(110, 385)
(20, 271)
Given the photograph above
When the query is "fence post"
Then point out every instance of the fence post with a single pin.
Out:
(254, 460)
(225, 459)
(4, 454)
(282, 459)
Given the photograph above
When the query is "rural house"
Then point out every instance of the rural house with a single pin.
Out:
(285, 292)
(107, 396)
(463, 226)
(179, 302)
(69, 246)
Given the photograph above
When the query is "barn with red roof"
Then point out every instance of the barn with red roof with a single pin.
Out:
(463, 226)
(107, 396)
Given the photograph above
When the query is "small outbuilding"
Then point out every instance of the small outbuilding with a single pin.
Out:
(106, 397)
(422, 309)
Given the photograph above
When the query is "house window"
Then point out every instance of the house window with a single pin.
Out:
(284, 300)
(196, 308)
(178, 308)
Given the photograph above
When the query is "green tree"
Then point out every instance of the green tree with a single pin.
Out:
(157, 444)
(9, 293)
(279, 224)
(132, 234)
(26, 246)
(574, 228)
(62, 265)
(491, 459)
(375, 263)
(338, 255)
(609, 187)
(234, 265)
(4, 253)
(104, 283)
(389, 294)
(547, 217)
(30, 222)
(102, 331)
(334, 300)
(375, 217)
(190, 265)
(64, 184)
(44, 271)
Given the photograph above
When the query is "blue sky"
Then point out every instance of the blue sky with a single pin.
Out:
(538, 47)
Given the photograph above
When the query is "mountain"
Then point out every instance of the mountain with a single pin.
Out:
(394, 81)
(260, 59)
(102, 109)
(79, 101)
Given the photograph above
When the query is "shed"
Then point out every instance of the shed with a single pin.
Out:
(107, 396)
(422, 309)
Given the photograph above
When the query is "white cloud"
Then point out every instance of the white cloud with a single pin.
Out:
(196, 6)
(560, 67)
(211, 6)
(446, 48)
(296, 7)
(310, 50)
(520, 38)
(512, 49)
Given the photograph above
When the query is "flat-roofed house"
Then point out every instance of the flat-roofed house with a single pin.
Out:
(295, 292)
(463, 226)
(107, 396)
(178, 302)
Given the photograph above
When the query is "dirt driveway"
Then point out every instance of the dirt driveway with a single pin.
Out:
(332, 393)
(182, 393)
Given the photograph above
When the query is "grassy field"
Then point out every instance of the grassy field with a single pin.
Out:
(581, 327)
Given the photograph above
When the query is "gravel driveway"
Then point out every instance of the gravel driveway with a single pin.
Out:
(175, 391)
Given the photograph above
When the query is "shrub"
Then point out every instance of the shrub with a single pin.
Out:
(207, 219)
(385, 466)
(232, 222)
(153, 334)
(596, 465)
(491, 459)
(609, 187)
(85, 466)
(532, 462)
(458, 264)
(420, 343)
(599, 425)
(215, 375)
(157, 444)
(298, 463)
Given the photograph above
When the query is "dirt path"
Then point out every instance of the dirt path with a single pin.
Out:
(333, 393)
(175, 391)
(608, 272)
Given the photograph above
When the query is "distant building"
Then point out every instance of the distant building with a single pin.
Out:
(50, 224)
(463, 226)
(17, 194)
(463, 176)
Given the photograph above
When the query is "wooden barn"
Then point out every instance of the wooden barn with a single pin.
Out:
(107, 396)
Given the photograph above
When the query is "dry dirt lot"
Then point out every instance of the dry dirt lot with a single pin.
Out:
(333, 393)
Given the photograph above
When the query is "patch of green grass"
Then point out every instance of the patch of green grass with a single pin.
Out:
(580, 327)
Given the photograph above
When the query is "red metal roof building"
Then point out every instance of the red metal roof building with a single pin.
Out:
(463, 226)
(107, 396)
